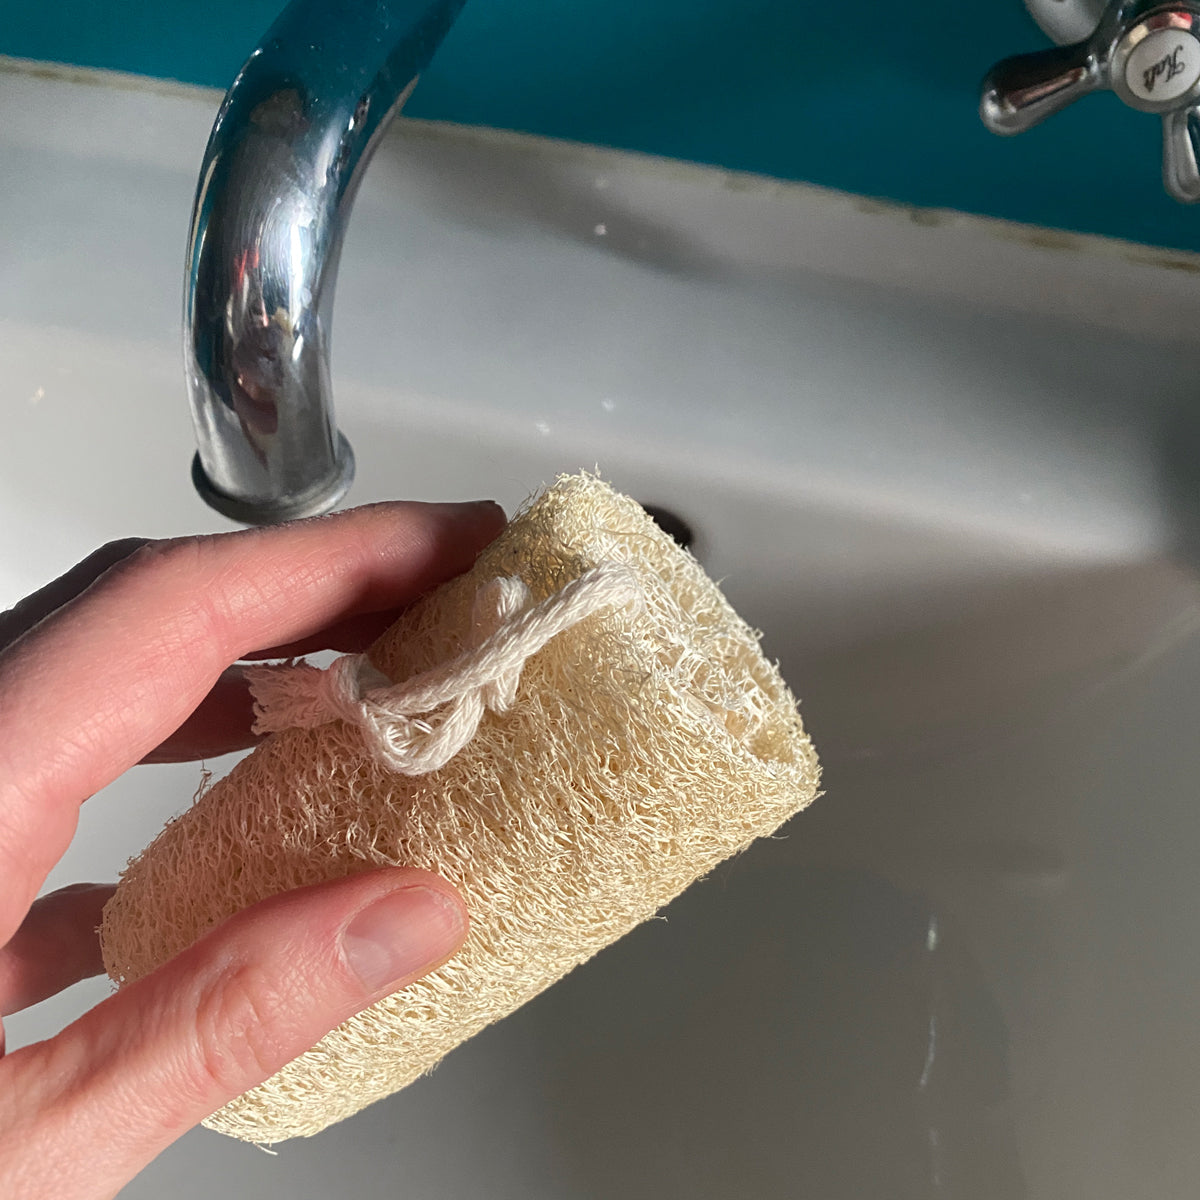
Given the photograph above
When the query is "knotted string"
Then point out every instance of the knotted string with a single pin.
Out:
(420, 724)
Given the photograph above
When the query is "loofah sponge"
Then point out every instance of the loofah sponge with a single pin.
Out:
(599, 730)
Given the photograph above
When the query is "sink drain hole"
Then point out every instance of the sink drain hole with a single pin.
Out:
(672, 524)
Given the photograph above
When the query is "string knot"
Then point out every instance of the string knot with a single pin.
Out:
(421, 723)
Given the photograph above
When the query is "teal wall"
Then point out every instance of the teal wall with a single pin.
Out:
(864, 95)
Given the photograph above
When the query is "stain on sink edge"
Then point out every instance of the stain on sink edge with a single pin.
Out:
(743, 182)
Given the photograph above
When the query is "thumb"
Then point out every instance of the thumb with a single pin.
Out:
(111, 1091)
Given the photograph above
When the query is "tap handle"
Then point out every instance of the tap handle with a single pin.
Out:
(1024, 90)
(1181, 153)
(1146, 51)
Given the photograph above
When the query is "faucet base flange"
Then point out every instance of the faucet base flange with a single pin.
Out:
(310, 503)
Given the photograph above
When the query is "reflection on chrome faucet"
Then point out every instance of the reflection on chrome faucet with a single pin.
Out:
(283, 164)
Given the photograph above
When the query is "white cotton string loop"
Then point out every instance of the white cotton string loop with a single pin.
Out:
(420, 724)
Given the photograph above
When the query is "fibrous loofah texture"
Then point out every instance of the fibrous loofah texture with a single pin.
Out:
(644, 745)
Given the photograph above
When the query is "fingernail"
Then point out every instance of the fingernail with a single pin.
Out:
(401, 936)
(470, 510)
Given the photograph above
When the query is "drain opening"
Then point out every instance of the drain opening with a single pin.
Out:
(672, 524)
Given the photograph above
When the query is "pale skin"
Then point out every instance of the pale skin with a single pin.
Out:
(130, 657)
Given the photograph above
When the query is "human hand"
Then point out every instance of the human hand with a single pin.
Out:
(126, 659)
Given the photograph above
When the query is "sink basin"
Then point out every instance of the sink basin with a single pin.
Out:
(947, 465)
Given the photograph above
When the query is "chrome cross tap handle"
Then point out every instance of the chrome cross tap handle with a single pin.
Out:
(1146, 51)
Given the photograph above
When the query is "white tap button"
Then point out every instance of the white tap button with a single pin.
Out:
(1163, 66)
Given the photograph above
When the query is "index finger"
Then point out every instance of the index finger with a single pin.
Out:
(105, 678)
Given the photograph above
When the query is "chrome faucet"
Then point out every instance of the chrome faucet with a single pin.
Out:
(283, 163)
(1147, 51)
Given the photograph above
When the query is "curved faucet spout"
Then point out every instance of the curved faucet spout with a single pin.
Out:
(283, 163)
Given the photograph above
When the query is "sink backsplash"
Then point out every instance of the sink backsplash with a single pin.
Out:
(881, 102)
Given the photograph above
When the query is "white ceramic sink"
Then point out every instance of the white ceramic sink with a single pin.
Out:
(948, 466)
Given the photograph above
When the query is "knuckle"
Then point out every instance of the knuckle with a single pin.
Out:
(165, 563)
(119, 549)
(185, 566)
(241, 1022)
(163, 556)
